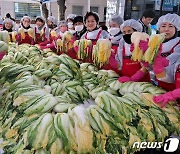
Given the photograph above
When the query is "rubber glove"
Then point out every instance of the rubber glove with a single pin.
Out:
(112, 61)
(159, 64)
(143, 45)
(136, 77)
(76, 48)
(2, 54)
(167, 97)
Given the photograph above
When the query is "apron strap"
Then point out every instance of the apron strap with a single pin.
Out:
(165, 54)
(97, 37)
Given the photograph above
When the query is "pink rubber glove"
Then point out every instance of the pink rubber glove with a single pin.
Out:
(143, 45)
(112, 61)
(145, 64)
(167, 97)
(2, 54)
(76, 48)
(51, 46)
(44, 43)
(132, 47)
(136, 77)
(124, 79)
(159, 64)
(43, 47)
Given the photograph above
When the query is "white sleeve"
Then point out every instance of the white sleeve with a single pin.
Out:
(174, 61)
(119, 54)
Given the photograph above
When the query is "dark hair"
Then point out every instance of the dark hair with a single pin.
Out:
(96, 17)
(78, 19)
(104, 27)
(39, 19)
(8, 15)
(148, 14)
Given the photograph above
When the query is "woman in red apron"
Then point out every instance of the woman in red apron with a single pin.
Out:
(51, 26)
(41, 31)
(166, 66)
(93, 33)
(62, 28)
(80, 30)
(115, 36)
(130, 70)
(25, 24)
(8, 26)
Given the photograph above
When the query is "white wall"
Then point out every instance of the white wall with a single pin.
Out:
(7, 6)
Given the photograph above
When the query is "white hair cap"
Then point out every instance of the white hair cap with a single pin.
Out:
(117, 19)
(7, 20)
(71, 16)
(25, 17)
(170, 18)
(132, 23)
(62, 22)
(52, 19)
(39, 17)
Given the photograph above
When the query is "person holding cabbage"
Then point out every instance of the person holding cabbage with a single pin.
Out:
(130, 70)
(166, 65)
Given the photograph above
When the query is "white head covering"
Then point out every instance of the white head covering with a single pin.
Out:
(7, 20)
(62, 22)
(132, 23)
(170, 18)
(39, 17)
(71, 16)
(25, 17)
(52, 19)
(117, 19)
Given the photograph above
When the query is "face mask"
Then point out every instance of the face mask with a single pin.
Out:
(79, 28)
(127, 38)
(114, 30)
(70, 25)
(72, 31)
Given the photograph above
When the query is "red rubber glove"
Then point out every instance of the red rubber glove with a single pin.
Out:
(167, 97)
(136, 77)
(159, 64)
(2, 54)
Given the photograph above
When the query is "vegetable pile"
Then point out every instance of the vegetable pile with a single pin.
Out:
(55, 105)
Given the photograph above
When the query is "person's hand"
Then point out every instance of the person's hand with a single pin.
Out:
(143, 45)
(163, 99)
(124, 79)
(159, 64)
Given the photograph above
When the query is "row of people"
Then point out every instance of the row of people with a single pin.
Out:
(166, 63)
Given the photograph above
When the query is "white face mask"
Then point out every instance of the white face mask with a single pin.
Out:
(79, 28)
(72, 31)
(70, 25)
(114, 30)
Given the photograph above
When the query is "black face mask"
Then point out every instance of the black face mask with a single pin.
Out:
(127, 38)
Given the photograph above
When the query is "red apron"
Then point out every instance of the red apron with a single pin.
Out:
(38, 37)
(108, 66)
(165, 85)
(129, 67)
(89, 59)
(27, 39)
